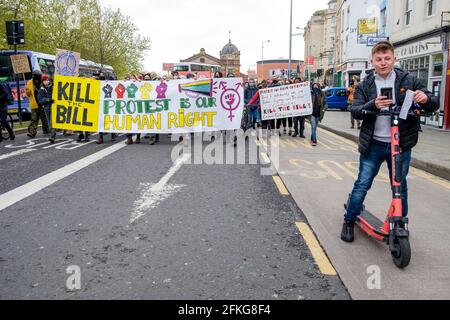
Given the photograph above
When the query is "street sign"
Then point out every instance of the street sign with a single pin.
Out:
(310, 60)
(372, 41)
(20, 63)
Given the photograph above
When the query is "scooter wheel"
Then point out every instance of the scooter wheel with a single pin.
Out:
(402, 253)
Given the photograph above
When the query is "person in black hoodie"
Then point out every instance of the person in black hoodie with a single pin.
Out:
(375, 135)
(45, 100)
(319, 105)
(5, 100)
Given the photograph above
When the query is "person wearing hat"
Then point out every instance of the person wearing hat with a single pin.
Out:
(37, 111)
(45, 100)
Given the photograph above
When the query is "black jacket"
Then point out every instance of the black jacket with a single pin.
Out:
(5, 95)
(364, 99)
(45, 96)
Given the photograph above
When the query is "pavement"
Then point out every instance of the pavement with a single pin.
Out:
(320, 179)
(432, 154)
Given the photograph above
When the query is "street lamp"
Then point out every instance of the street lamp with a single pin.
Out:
(262, 60)
(290, 45)
(294, 35)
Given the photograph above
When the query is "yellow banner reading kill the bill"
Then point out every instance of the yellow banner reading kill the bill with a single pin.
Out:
(76, 104)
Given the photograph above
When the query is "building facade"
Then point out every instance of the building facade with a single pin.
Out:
(420, 33)
(230, 59)
(314, 43)
(329, 43)
(268, 69)
(359, 24)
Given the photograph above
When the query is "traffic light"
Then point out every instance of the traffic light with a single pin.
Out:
(15, 32)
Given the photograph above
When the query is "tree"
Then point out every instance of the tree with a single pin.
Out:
(105, 36)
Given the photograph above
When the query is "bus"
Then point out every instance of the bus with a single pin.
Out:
(202, 70)
(46, 64)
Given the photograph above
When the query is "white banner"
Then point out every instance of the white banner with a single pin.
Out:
(286, 101)
(175, 106)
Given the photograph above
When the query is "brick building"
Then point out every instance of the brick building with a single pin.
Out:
(230, 60)
(279, 67)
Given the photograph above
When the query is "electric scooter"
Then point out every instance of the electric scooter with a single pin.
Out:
(394, 230)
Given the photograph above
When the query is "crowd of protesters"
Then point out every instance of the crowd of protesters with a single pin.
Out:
(39, 91)
(292, 126)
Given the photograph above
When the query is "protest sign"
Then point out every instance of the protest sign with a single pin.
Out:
(76, 104)
(67, 63)
(20, 63)
(286, 101)
(176, 106)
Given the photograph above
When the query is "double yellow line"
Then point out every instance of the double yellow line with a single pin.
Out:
(313, 244)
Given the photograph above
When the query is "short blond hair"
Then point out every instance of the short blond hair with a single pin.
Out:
(383, 46)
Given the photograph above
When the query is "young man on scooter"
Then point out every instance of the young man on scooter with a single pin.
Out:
(375, 136)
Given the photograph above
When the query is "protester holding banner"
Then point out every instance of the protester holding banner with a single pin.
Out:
(299, 122)
(253, 112)
(37, 112)
(46, 100)
(319, 105)
(270, 124)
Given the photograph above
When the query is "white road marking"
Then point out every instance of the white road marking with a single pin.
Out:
(154, 194)
(15, 153)
(9, 198)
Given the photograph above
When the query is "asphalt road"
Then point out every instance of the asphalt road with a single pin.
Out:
(140, 226)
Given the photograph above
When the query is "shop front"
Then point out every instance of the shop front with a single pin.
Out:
(426, 60)
(353, 68)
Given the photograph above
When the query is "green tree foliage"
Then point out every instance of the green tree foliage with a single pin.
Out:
(103, 35)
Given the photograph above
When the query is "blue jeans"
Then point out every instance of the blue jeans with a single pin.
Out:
(368, 170)
(253, 117)
(314, 123)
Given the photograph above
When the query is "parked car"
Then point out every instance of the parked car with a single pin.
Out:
(337, 98)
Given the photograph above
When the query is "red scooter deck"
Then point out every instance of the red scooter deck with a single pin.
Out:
(371, 225)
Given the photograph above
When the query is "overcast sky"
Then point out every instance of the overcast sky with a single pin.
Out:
(179, 28)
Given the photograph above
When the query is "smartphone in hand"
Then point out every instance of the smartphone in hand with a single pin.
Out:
(387, 92)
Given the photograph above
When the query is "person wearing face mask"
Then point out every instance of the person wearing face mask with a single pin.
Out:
(253, 115)
(318, 100)
(299, 122)
(37, 111)
(46, 100)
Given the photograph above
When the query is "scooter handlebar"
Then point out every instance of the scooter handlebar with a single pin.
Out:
(417, 111)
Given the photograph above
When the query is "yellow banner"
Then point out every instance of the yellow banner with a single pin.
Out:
(77, 102)
(367, 26)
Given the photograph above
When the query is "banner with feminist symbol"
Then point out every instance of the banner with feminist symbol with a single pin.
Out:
(176, 106)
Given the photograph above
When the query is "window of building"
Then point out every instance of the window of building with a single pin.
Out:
(202, 60)
(419, 67)
(438, 65)
(348, 17)
(431, 7)
(408, 12)
(383, 22)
